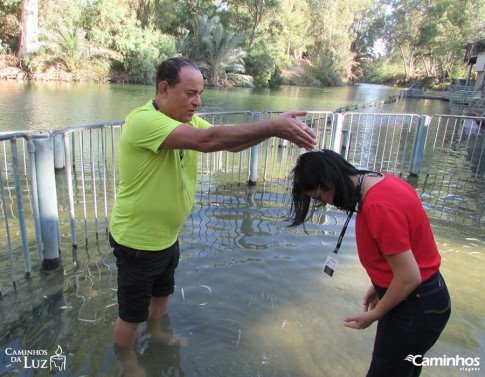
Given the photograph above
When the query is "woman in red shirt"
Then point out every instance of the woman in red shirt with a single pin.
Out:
(408, 296)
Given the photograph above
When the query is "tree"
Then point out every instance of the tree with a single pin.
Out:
(449, 26)
(248, 16)
(68, 48)
(139, 49)
(28, 29)
(430, 34)
(402, 20)
(9, 19)
(295, 24)
(217, 51)
(332, 34)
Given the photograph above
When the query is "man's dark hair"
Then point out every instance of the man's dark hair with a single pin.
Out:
(169, 70)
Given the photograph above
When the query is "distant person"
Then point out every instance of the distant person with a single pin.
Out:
(158, 166)
(408, 296)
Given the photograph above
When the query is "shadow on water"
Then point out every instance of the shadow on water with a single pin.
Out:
(250, 299)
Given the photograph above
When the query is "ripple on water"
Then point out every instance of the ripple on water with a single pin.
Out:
(252, 303)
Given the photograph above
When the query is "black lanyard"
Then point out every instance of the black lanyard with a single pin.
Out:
(158, 109)
(346, 224)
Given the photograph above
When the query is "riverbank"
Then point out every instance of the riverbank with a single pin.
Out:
(296, 75)
(462, 100)
(477, 105)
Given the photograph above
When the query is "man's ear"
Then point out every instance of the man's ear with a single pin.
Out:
(163, 87)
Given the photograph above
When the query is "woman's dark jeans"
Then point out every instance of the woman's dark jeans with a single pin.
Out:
(410, 329)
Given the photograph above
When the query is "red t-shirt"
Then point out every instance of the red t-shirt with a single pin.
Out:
(392, 220)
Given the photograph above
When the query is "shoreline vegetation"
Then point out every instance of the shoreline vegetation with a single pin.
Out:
(241, 43)
(299, 73)
(246, 43)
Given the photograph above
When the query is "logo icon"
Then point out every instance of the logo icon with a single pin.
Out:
(58, 360)
(411, 358)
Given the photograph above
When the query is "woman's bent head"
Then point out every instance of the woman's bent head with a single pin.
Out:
(325, 176)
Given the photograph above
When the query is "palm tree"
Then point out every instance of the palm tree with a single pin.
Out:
(216, 51)
(68, 47)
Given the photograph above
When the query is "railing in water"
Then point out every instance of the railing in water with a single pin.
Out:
(54, 185)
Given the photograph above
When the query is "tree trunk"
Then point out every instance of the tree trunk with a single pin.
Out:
(404, 61)
(428, 70)
(411, 66)
(28, 28)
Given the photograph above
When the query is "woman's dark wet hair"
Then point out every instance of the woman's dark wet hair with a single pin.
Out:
(327, 170)
(169, 70)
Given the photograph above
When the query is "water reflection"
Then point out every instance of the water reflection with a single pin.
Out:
(250, 299)
(459, 201)
(58, 105)
(39, 322)
(475, 145)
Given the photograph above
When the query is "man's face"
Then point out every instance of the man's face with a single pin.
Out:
(181, 101)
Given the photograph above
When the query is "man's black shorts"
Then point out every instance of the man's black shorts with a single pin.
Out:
(141, 275)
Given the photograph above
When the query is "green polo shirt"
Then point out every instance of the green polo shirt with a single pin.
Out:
(157, 187)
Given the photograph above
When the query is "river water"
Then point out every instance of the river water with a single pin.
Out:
(54, 105)
(250, 297)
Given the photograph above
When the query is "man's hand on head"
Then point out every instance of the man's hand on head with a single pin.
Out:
(296, 131)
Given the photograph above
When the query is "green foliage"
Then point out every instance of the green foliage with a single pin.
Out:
(67, 47)
(276, 79)
(142, 51)
(217, 51)
(253, 18)
(260, 64)
(430, 36)
(382, 71)
(234, 39)
(325, 71)
(9, 16)
(135, 50)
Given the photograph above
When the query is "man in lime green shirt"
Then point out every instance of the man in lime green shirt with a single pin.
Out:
(157, 186)
(158, 166)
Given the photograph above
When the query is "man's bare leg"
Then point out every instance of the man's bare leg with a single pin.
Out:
(157, 309)
(124, 336)
(124, 333)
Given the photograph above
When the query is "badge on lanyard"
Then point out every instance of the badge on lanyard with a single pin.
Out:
(330, 266)
(331, 263)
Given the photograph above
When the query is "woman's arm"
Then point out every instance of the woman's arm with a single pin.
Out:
(406, 278)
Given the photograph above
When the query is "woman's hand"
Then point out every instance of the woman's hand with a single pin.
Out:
(406, 277)
(362, 320)
(370, 299)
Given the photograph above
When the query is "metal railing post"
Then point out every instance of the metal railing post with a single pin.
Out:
(35, 201)
(417, 153)
(344, 151)
(254, 154)
(20, 208)
(70, 194)
(47, 194)
(336, 140)
(59, 160)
